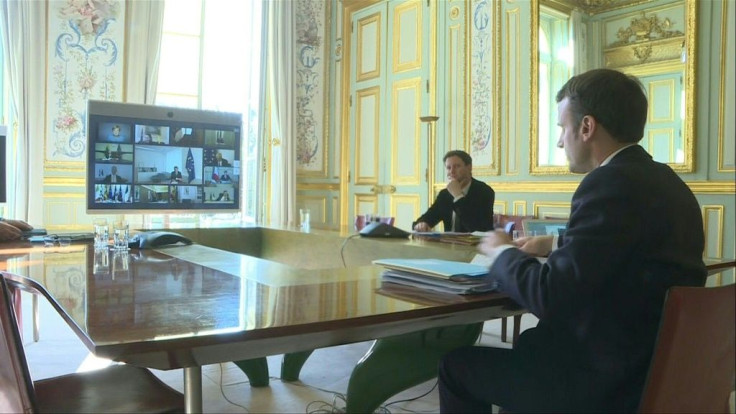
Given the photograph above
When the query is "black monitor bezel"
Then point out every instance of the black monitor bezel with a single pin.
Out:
(138, 114)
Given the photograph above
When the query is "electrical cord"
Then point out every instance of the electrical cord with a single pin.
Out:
(385, 406)
(342, 248)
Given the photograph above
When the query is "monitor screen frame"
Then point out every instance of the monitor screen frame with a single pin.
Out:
(139, 143)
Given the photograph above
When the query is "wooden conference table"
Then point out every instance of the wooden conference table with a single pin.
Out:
(246, 293)
(275, 292)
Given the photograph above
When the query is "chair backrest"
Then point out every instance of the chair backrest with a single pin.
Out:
(15, 380)
(508, 222)
(692, 368)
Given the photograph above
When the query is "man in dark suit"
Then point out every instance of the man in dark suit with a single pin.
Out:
(465, 205)
(176, 176)
(635, 230)
(219, 161)
(113, 177)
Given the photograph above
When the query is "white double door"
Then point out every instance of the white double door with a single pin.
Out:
(389, 92)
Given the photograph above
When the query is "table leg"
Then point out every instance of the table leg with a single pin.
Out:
(193, 389)
(292, 365)
(400, 362)
(256, 370)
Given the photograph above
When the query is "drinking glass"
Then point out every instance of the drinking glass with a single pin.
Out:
(120, 235)
(49, 241)
(304, 218)
(101, 233)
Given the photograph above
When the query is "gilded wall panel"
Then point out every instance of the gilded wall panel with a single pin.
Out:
(367, 135)
(519, 208)
(454, 111)
(500, 207)
(484, 122)
(85, 46)
(312, 78)
(551, 209)
(365, 204)
(405, 133)
(727, 98)
(407, 26)
(713, 226)
(405, 208)
(514, 129)
(369, 53)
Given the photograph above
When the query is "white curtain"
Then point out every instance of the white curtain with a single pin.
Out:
(280, 67)
(145, 21)
(24, 42)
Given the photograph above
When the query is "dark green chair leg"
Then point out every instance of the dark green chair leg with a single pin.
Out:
(256, 370)
(401, 362)
(292, 364)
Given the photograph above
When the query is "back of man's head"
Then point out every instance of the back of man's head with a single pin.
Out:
(616, 100)
(460, 154)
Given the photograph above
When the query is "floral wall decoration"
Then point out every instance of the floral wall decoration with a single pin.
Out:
(85, 62)
(481, 83)
(311, 83)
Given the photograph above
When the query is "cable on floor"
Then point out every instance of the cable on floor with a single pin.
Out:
(385, 406)
(222, 390)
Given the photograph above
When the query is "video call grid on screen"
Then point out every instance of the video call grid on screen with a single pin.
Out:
(145, 157)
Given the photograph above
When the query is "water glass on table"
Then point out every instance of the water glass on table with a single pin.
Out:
(120, 235)
(304, 218)
(102, 235)
(518, 234)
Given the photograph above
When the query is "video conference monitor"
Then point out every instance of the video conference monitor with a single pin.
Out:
(145, 158)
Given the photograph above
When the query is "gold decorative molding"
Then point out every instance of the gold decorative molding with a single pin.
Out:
(592, 7)
(64, 181)
(318, 186)
(454, 12)
(712, 187)
(649, 52)
(645, 29)
(64, 195)
(534, 186)
(697, 187)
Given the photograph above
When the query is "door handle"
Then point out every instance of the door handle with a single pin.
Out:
(383, 189)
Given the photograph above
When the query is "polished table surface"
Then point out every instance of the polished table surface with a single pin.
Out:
(189, 306)
(195, 305)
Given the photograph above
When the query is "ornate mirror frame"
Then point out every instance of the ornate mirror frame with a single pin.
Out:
(690, 76)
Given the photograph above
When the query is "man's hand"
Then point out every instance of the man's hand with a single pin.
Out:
(536, 246)
(421, 226)
(492, 240)
(539, 246)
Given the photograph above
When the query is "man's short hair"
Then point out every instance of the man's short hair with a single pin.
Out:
(616, 100)
(467, 159)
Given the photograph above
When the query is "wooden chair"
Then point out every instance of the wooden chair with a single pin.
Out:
(692, 369)
(508, 223)
(118, 388)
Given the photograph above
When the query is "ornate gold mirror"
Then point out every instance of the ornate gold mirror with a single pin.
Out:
(651, 39)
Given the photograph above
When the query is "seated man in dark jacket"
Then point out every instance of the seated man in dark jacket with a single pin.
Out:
(465, 205)
(635, 229)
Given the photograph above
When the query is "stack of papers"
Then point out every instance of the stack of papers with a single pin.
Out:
(450, 237)
(438, 275)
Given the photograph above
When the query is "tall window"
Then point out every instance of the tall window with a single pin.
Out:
(210, 59)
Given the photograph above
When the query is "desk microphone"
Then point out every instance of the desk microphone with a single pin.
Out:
(378, 229)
